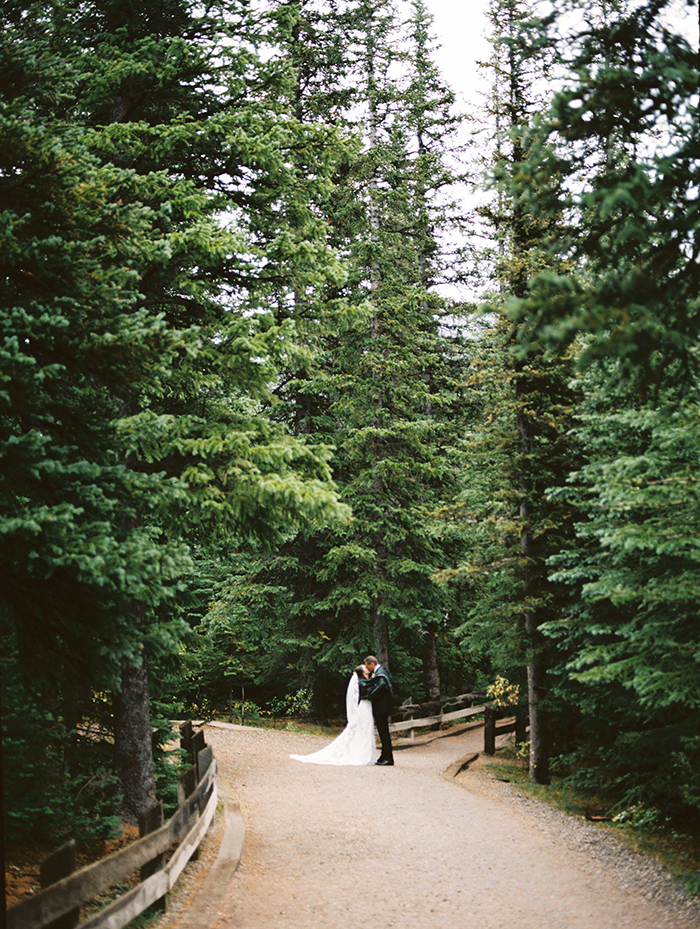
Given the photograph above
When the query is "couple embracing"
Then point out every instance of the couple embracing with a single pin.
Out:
(368, 703)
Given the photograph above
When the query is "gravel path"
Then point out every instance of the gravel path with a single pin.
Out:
(330, 847)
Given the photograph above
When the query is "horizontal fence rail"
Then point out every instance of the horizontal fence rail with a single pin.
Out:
(197, 801)
(411, 716)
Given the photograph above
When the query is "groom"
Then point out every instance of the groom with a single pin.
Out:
(379, 691)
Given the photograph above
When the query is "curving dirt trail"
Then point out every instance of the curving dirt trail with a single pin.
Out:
(410, 848)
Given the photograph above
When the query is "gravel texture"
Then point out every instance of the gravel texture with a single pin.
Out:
(415, 847)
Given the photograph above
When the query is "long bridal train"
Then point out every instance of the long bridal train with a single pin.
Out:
(355, 745)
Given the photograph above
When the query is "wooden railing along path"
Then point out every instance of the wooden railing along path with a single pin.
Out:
(411, 716)
(65, 890)
(57, 905)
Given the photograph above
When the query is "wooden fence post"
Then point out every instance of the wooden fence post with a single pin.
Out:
(148, 822)
(520, 724)
(204, 759)
(65, 889)
(187, 782)
(490, 717)
(58, 865)
(197, 745)
(186, 785)
(186, 736)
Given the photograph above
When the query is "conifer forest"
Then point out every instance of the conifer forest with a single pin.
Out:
(302, 359)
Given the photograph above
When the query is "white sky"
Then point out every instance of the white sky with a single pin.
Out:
(459, 26)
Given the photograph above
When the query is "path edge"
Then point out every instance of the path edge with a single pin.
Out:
(457, 766)
(204, 908)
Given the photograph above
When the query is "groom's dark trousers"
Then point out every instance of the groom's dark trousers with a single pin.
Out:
(381, 721)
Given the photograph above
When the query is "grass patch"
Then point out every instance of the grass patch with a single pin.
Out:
(677, 852)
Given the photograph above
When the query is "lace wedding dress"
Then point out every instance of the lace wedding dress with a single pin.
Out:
(355, 745)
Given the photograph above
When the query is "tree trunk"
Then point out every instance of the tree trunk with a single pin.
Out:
(133, 744)
(381, 633)
(3, 880)
(536, 691)
(71, 715)
(431, 675)
(536, 664)
(133, 737)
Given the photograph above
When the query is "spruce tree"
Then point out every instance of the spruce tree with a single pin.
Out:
(629, 300)
(384, 387)
(188, 222)
(539, 398)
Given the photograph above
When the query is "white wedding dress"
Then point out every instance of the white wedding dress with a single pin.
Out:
(355, 745)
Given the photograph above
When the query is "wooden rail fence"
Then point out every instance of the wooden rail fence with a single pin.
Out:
(493, 715)
(409, 717)
(56, 906)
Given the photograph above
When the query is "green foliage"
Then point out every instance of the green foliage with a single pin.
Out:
(623, 293)
(636, 566)
(503, 692)
(640, 816)
(153, 233)
(298, 704)
(57, 780)
(383, 388)
(244, 438)
(71, 333)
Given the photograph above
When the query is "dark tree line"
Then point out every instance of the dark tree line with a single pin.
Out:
(245, 437)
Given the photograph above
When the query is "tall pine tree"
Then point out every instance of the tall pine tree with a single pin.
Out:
(385, 388)
(537, 396)
(630, 302)
(151, 344)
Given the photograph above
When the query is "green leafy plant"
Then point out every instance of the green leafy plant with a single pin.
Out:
(641, 816)
(297, 704)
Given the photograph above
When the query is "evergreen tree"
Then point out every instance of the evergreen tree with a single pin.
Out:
(537, 395)
(384, 389)
(402, 388)
(630, 301)
(145, 328)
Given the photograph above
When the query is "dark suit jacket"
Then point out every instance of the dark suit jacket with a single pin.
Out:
(378, 689)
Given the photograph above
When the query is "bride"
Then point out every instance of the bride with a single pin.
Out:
(355, 745)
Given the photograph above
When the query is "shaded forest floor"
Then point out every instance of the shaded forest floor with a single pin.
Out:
(23, 860)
